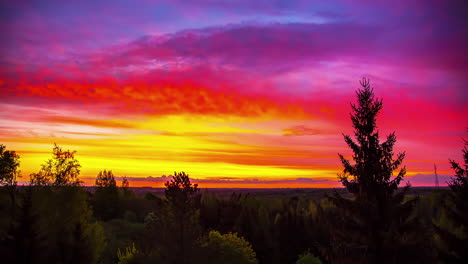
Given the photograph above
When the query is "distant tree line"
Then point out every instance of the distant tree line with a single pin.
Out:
(56, 220)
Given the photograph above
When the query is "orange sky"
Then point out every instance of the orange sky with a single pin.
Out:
(279, 146)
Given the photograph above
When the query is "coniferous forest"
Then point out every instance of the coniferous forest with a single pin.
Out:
(375, 218)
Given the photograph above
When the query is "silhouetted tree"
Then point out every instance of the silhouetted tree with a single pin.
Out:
(106, 200)
(62, 169)
(456, 208)
(173, 230)
(66, 225)
(182, 197)
(308, 258)
(105, 179)
(9, 163)
(376, 225)
(125, 183)
(62, 213)
(127, 193)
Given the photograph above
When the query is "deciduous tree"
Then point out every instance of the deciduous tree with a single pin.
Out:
(228, 249)
(9, 163)
(62, 169)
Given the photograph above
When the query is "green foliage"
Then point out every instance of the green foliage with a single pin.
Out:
(65, 223)
(126, 256)
(173, 230)
(54, 225)
(89, 242)
(120, 234)
(308, 258)
(279, 229)
(228, 248)
(62, 169)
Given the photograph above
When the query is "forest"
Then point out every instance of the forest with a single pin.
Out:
(373, 219)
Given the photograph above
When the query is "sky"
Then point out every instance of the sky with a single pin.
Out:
(243, 93)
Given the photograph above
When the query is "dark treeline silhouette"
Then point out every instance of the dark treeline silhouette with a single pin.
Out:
(56, 220)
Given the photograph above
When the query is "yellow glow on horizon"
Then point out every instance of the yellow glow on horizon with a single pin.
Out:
(159, 145)
(205, 147)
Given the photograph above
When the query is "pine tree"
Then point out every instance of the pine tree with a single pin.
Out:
(183, 203)
(172, 231)
(106, 198)
(125, 187)
(376, 225)
(456, 243)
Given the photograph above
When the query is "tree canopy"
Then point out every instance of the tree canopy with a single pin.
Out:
(105, 179)
(61, 169)
(228, 249)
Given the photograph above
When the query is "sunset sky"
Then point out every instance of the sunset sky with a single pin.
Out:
(235, 93)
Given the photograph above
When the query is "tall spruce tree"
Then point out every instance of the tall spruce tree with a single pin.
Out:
(456, 243)
(375, 225)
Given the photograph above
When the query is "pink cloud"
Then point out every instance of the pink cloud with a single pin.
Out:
(300, 130)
